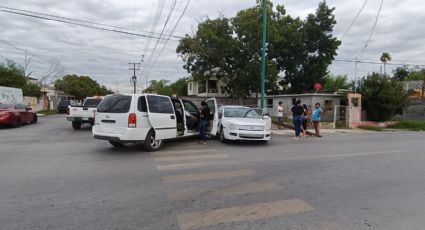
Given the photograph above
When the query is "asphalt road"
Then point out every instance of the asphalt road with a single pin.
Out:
(52, 177)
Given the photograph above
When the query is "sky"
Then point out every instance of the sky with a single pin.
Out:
(105, 55)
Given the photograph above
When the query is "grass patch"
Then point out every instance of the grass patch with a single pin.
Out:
(409, 125)
(47, 112)
(370, 128)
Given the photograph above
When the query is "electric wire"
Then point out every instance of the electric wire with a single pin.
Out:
(354, 20)
(371, 32)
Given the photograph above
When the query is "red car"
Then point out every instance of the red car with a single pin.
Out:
(16, 114)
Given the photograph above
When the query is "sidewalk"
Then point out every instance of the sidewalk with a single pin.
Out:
(289, 132)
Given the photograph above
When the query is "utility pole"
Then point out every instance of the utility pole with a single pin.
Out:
(263, 55)
(134, 77)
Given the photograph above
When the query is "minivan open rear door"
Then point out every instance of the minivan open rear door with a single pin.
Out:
(162, 116)
(212, 105)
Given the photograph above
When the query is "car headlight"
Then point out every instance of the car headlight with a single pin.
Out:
(232, 126)
(268, 126)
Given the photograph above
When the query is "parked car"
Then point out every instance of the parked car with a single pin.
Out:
(16, 114)
(63, 106)
(148, 119)
(243, 123)
(79, 115)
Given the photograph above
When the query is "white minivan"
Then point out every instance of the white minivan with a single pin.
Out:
(149, 119)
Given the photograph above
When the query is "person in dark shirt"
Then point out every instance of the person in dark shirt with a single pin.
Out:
(205, 118)
(297, 113)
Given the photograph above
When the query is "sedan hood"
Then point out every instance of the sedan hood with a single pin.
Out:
(246, 121)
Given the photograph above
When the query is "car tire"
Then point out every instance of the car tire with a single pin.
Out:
(116, 144)
(76, 125)
(17, 123)
(222, 136)
(151, 144)
(34, 119)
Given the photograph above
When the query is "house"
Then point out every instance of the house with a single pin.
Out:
(327, 101)
(211, 87)
(32, 80)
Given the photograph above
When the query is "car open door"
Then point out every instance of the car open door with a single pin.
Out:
(162, 116)
(213, 126)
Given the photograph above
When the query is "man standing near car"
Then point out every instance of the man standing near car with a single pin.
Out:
(280, 115)
(205, 118)
(297, 112)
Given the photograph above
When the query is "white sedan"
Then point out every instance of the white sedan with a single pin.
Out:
(243, 123)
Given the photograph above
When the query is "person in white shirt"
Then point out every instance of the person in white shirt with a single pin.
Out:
(280, 115)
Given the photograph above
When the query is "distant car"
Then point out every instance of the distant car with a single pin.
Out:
(63, 106)
(16, 114)
(79, 115)
(243, 123)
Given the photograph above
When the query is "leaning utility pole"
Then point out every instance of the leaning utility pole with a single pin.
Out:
(134, 78)
(263, 56)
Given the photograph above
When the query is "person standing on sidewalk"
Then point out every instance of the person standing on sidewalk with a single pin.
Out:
(280, 115)
(297, 112)
(205, 119)
(316, 117)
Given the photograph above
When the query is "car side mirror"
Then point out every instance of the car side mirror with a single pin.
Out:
(266, 116)
(28, 109)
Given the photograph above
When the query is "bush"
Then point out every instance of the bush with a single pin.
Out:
(410, 125)
(382, 96)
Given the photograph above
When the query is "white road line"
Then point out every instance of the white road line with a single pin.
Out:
(173, 167)
(194, 220)
(192, 157)
(183, 152)
(249, 188)
(207, 176)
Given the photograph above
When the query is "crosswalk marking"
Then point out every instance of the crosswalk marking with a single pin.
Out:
(191, 157)
(183, 152)
(249, 188)
(171, 167)
(207, 176)
(194, 220)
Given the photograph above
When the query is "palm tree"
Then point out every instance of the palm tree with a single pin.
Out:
(385, 57)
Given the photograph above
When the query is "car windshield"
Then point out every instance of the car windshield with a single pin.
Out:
(5, 106)
(92, 103)
(241, 112)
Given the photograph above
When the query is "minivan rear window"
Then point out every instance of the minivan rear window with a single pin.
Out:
(115, 104)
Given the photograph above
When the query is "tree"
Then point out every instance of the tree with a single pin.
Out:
(54, 71)
(13, 75)
(80, 86)
(162, 87)
(385, 57)
(382, 96)
(304, 49)
(334, 83)
(401, 73)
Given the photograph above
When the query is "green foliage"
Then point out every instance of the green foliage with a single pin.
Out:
(401, 73)
(409, 125)
(12, 75)
(231, 49)
(334, 83)
(405, 73)
(179, 87)
(80, 86)
(32, 90)
(382, 96)
(304, 49)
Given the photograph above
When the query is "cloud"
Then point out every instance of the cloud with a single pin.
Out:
(105, 55)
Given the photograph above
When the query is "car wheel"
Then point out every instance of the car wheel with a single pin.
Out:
(17, 123)
(222, 137)
(151, 143)
(76, 125)
(34, 119)
(116, 144)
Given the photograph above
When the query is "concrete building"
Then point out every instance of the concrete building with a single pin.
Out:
(206, 88)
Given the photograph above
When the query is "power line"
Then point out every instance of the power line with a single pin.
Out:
(354, 20)
(83, 21)
(374, 63)
(372, 31)
(88, 26)
(174, 28)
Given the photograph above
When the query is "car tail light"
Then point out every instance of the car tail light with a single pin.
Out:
(132, 119)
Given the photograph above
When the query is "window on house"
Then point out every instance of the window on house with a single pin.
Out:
(202, 88)
(329, 104)
(190, 86)
(212, 86)
(270, 103)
